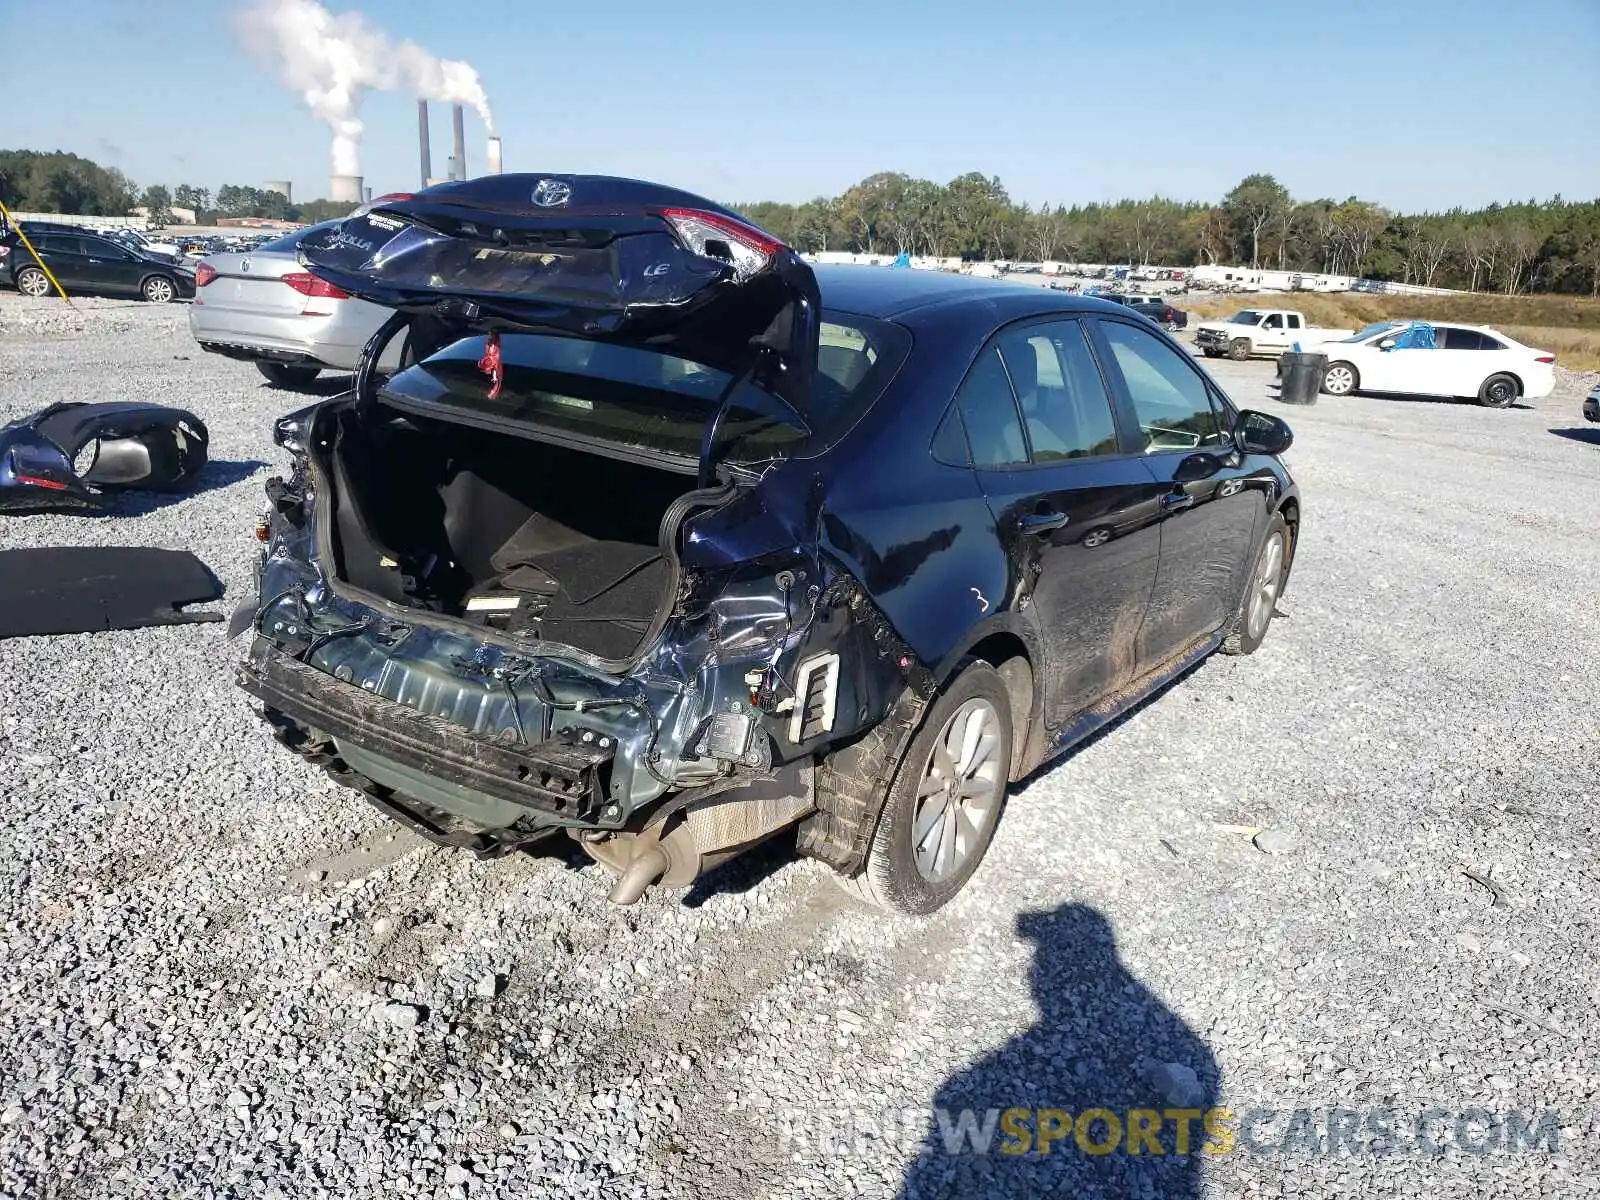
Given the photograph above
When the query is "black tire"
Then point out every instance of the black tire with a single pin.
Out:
(31, 281)
(1334, 379)
(286, 375)
(1239, 349)
(891, 879)
(158, 289)
(1499, 391)
(1241, 638)
(1210, 353)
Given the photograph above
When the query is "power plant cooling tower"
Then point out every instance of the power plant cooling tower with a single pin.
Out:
(279, 185)
(346, 189)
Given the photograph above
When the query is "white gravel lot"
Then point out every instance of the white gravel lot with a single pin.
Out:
(224, 976)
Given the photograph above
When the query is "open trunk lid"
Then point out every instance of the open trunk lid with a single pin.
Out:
(591, 257)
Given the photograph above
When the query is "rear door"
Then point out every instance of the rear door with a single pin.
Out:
(1208, 526)
(1468, 358)
(62, 254)
(1075, 506)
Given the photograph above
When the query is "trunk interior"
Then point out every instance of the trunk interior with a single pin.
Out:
(508, 532)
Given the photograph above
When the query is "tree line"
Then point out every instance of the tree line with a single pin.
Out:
(1526, 246)
(33, 181)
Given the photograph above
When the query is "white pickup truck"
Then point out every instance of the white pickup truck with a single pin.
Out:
(1253, 331)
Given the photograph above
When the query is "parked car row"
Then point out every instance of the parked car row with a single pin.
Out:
(87, 262)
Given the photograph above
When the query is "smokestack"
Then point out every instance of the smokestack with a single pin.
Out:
(366, 194)
(494, 156)
(346, 189)
(458, 124)
(422, 138)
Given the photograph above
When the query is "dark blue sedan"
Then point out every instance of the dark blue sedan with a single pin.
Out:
(670, 543)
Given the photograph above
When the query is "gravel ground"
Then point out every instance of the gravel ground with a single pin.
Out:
(226, 977)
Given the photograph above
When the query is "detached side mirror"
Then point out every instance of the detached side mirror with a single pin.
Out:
(1263, 433)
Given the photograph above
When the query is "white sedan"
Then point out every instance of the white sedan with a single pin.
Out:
(1457, 360)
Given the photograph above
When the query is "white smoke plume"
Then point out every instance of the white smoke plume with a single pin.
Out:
(333, 59)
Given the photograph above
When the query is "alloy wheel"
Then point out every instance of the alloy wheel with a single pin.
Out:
(33, 283)
(959, 794)
(158, 291)
(1339, 381)
(1269, 578)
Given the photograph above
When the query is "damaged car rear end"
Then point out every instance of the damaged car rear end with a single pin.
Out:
(564, 573)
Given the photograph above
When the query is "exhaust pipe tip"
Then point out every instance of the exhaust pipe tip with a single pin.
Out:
(641, 872)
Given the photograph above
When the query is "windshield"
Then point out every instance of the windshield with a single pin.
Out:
(644, 400)
(1248, 317)
(1376, 327)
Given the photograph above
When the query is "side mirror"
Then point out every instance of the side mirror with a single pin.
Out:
(1263, 433)
(1196, 467)
(1386, 344)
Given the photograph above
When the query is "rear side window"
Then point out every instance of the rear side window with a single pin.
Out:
(1169, 396)
(990, 412)
(1466, 339)
(1065, 410)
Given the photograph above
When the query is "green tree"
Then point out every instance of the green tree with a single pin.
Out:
(1252, 205)
(157, 203)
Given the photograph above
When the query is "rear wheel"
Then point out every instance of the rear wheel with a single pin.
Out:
(33, 282)
(1340, 379)
(944, 801)
(158, 289)
(1239, 349)
(1261, 593)
(1498, 391)
(283, 375)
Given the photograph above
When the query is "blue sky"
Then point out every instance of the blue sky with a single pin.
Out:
(1415, 106)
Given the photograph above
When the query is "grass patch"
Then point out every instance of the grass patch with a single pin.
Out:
(1567, 326)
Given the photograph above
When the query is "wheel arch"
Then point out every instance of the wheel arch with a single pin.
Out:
(1006, 644)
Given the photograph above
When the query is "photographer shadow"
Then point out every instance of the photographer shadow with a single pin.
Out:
(1102, 1042)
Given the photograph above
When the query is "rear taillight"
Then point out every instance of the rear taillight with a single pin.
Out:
(713, 235)
(1548, 359)
(204, 274)
(308, 284)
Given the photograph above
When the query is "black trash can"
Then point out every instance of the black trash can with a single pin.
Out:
(1302, 377)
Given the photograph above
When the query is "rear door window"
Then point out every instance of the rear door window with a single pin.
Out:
(989, 410)
(1066, 412)
(1169, 395)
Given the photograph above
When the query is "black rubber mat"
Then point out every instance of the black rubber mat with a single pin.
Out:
(89, 589)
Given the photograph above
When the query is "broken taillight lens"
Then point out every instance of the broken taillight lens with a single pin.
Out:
(204, 274)
(712, 235)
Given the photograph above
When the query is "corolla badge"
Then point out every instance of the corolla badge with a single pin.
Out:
(551, 193)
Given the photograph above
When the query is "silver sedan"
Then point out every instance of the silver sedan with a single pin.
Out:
(262, 306)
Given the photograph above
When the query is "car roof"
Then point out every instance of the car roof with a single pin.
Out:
(889, 292)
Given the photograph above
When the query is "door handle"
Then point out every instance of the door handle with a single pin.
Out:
(1042, 520)
(1176, 501)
